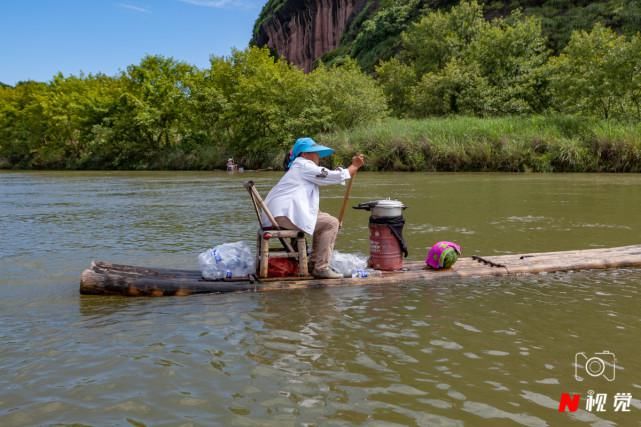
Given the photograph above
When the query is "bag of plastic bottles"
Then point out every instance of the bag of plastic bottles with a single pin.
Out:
(347, 264)
(227, 260)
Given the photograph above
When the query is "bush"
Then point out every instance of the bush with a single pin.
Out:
(598, 74)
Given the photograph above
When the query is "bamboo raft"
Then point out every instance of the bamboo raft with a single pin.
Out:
(103, 278)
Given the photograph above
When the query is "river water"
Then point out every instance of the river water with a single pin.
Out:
(490, 352)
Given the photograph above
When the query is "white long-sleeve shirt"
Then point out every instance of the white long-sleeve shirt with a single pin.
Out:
(297, 194)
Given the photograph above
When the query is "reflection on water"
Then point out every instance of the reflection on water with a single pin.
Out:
(490, 352)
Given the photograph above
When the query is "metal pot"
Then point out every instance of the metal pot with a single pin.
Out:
(383, 208)
(388, 208)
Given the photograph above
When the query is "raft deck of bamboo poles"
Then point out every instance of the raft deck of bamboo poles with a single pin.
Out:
(103, 278)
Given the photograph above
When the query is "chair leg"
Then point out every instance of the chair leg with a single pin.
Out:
(264, 258)
(258, 252)
(302, 255)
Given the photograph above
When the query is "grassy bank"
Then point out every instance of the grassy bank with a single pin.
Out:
(511, 144)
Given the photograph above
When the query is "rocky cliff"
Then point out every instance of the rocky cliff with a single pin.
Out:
(303, 30)
(369, 30)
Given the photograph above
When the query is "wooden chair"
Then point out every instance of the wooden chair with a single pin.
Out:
(270, 233)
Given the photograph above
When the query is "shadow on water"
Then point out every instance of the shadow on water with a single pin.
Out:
(93, 308)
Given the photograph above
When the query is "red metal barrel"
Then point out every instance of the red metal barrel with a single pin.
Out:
(384, 248)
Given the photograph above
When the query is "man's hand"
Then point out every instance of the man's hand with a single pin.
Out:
(358, 161)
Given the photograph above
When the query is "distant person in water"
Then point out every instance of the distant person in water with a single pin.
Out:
(231, 166)
(294, 200)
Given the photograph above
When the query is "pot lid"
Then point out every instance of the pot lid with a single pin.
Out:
(389, 204)
(385, 203)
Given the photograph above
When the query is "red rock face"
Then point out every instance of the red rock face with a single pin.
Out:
(302, 31)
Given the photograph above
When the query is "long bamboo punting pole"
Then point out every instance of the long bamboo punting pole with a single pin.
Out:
(113, 279)
(341, 215)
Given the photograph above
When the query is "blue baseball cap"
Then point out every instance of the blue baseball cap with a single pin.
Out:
(308, 145)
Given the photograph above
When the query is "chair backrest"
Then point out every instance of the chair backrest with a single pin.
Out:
(259, 205)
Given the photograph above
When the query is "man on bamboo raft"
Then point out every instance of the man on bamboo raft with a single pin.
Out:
(294, 200)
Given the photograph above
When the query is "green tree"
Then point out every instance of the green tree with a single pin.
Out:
(263, 103)
(158, 89)
(22, 122)
(634, 56)
(597, 74)
(71, 108)
(440, 36)
(458, 88)
(511, 54)
(379, 36)
(261, 100)
(397, 80)
(346, 96)
(466, 64)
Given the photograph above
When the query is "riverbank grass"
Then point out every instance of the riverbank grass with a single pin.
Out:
(512, 144)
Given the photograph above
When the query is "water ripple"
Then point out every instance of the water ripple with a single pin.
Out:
(477, 352)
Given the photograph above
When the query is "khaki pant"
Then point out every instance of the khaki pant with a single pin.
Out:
(324, 238)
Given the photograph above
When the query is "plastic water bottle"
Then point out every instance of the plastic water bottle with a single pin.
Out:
(361, 273)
